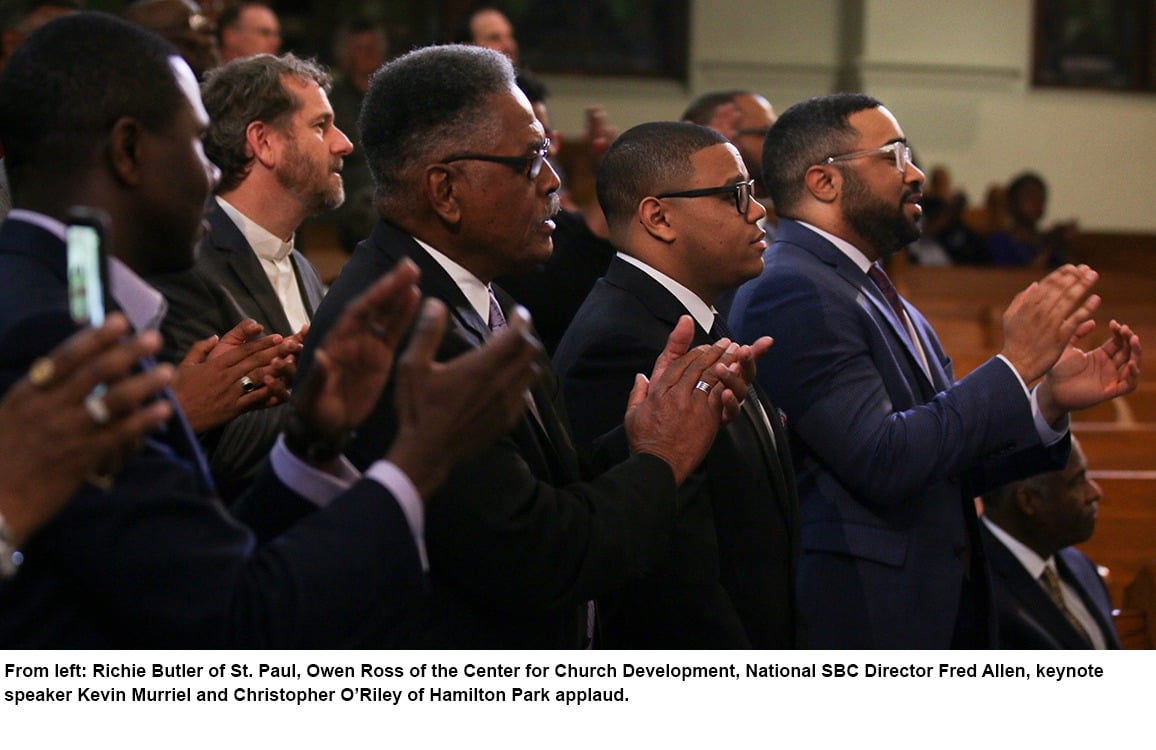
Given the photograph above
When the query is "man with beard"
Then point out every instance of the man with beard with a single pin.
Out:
(272, 135)
(889, 450)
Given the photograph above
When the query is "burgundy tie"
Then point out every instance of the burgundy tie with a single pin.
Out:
(879, 276)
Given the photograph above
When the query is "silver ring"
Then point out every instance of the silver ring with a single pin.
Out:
(703, 386)
(247, 384)
(97, 409)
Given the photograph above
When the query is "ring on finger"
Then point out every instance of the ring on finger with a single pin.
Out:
(703, 386)
(41, 372)
(247, 384)
(97, 409)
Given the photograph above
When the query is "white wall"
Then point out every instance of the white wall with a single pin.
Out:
(956, 74)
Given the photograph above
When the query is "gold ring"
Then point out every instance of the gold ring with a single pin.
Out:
(41, 372)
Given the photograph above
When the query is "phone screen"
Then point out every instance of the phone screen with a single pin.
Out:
(85, 282)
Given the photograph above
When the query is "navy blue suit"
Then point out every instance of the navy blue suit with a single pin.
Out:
(726, 579)
(888, 457)
(156, 561)
(1028, 618)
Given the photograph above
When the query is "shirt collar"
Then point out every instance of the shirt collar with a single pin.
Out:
(144, 306)
(702, 313)
(265, 244)
(857, 257)
(476, 293)
(1032, 562)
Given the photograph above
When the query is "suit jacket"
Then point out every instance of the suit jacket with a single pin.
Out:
(517, 541)
(1028, 618)
(888, 457)
(727, 576)
(227, 285)
(156, 561)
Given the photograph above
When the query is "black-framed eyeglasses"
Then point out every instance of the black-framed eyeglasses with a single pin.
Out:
(741, 190)
(899, 149)
(760, 132)
(532, 164)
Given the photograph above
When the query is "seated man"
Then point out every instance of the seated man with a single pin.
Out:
(1047, 593)
(271, 133)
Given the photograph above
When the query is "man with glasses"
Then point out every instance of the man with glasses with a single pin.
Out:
(743, 118)
(464, 190)
(890, 451)
(183, 25)
(677, 198)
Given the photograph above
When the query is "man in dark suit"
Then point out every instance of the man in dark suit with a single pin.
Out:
(96, 112)
(890, 450)
(465, 191)
(727, 576)
(1048, 594)
(271, 133)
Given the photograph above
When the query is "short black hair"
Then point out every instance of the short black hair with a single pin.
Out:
(425, 104)
(232, 14)
(533, 87)
(805, 135)
(69, 82)
(1021, 181)
(648, 159)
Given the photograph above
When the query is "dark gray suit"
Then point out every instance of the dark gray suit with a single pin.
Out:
(227, 285)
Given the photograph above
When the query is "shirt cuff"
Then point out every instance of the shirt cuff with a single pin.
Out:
(407, 497)
(317, 486)
(1048, 434)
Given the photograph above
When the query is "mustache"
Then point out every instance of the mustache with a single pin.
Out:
(554, 207)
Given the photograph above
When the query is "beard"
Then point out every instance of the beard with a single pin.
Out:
(316, 191)
(885, 227)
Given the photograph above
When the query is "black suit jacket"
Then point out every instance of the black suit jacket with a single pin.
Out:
(156, 561)
(1028, 618)
(227, 285)
(517, 541)
(727, 576)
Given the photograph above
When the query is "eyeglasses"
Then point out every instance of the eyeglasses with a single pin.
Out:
(532, 164)
(760, 132)
(901, 151)
(742, 191)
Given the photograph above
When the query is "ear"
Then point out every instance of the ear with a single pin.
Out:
(440, 186)
(1025, 501)
(125, 145)
(654, 219)
(261, 141)
(824, 182)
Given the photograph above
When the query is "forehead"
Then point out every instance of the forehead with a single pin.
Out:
(257, 15)
(489, 22)
(876, 126)
(187, 82)
(516, 116)
(309, 93)
(716, 164)
(756, 111)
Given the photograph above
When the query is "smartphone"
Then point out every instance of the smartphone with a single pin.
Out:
(87, 265)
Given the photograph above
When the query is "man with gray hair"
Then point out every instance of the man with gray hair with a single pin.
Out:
(272, 135)
(522, 537)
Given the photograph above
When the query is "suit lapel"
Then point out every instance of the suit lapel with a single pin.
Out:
(244, 265)
(666, 308)
(537, 439)
(1068, 572)
(863, 287)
